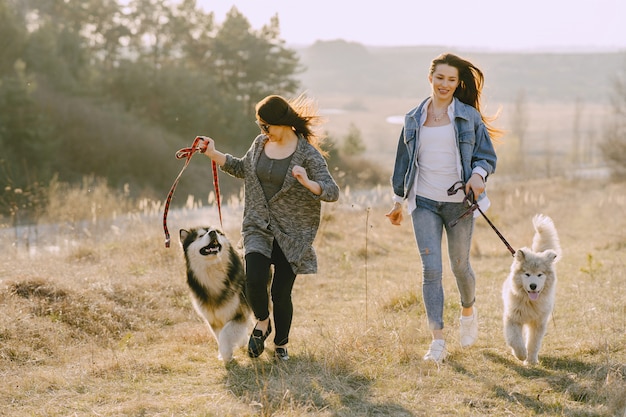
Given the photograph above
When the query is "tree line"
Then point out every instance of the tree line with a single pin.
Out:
(113, 89)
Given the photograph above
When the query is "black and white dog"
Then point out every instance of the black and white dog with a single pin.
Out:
(216, 278)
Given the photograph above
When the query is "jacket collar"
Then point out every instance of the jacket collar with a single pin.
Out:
(455, 109)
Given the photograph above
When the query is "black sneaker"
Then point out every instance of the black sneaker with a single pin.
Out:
(281, 354)
(256, 344)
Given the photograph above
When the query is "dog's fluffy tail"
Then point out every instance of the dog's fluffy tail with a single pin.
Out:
(546, 236)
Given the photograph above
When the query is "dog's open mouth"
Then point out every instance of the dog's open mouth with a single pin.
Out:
(533, 295)
(213, 248)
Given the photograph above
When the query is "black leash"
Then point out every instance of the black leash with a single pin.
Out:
(473, 205)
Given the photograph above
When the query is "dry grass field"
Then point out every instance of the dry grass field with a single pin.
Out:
(103, 326)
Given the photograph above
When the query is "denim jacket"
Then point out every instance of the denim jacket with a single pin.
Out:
(473, 142)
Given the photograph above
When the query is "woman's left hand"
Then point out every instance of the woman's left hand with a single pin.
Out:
(476, 184)
(300, 174)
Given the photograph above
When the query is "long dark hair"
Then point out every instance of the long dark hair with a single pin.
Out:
(471, 81)
(301, 113)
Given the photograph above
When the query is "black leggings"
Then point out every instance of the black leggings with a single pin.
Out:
(258, 275)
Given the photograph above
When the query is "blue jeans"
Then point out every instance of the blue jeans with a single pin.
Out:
(430, 218)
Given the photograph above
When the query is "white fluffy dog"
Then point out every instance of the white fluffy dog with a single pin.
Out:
(529, 291)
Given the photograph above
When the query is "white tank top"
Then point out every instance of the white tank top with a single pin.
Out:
(438, 164)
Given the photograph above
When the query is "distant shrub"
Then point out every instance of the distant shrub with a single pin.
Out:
(614, 145)
(353, 142)
(349, 163)
(92, 201)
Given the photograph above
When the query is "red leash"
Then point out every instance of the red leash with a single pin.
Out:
(216, 186)
(188, 153)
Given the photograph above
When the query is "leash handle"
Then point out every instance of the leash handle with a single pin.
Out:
(187, 153)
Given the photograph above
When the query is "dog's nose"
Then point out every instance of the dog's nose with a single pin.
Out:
(533, 287)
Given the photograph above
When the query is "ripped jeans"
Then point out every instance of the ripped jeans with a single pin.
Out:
(430, 218)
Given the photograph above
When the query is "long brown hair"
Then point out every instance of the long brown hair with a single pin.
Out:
(471, 81)
(301, 113)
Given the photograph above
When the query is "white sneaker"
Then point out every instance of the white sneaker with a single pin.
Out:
(468, 329)
(437, 351)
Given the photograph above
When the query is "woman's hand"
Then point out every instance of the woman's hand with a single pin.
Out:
(395, 215)
(300, 174)
(303, 178)
(476, 184)
(207, 146)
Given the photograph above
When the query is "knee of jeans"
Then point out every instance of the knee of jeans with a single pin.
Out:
(461, 269)
(432, 274)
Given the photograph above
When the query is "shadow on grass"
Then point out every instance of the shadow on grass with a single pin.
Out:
(576, 380)
(305, 385)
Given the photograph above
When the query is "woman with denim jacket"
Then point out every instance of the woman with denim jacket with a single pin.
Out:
(445, 146)
(285, 180)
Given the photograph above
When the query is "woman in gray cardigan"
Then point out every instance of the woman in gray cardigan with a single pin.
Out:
(285, 180)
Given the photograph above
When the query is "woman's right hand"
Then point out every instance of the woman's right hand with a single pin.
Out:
(395, 215)
(207, 145)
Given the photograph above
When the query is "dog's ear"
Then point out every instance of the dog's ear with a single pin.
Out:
(183, 234)
(550, 255)
(520, 255)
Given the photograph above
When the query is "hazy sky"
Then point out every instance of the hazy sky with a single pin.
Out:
(484, 24)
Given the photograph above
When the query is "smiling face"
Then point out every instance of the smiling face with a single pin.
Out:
(444, 80)
(534, 272)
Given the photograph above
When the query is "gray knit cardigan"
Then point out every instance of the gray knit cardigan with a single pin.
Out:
(292, 215)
